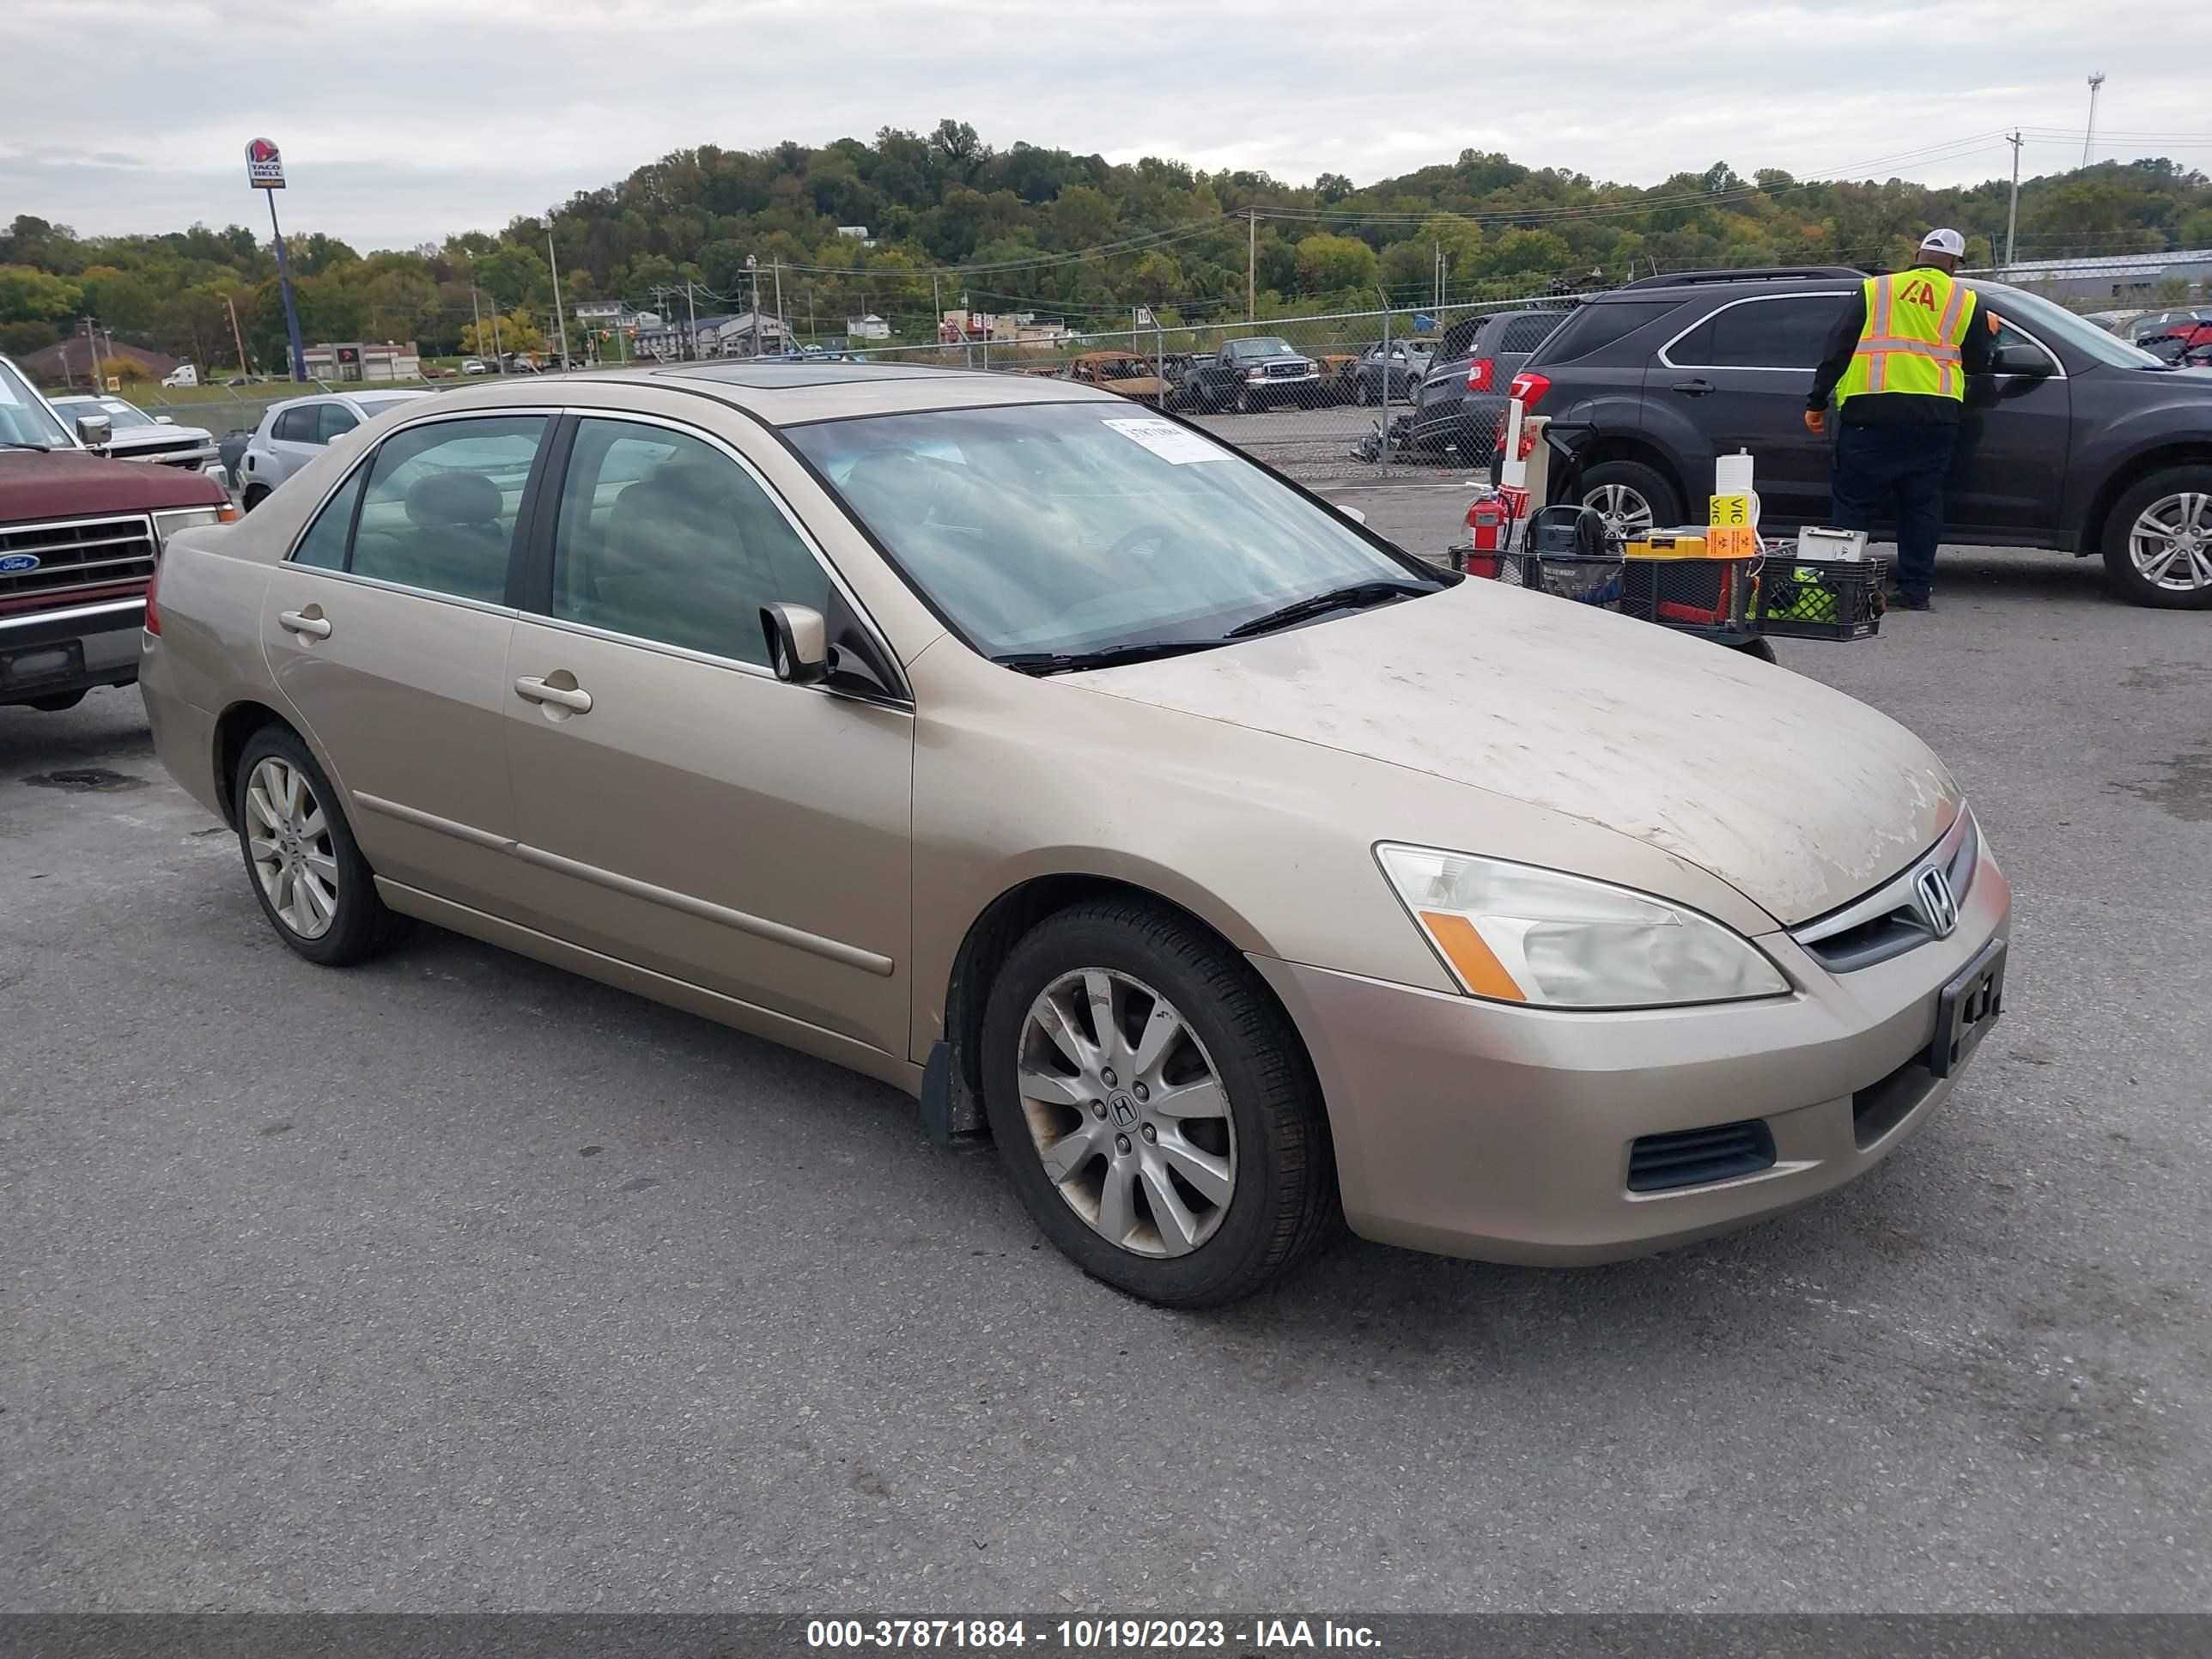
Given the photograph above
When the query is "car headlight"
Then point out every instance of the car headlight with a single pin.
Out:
(1255, 374)
(1513, 932)
(167, 524)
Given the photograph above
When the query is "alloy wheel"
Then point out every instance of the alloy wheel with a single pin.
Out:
(1126, 1112)
(288, 836)
(2170, 544)
(1626, 514)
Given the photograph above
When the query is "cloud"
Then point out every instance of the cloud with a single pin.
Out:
(405, 120)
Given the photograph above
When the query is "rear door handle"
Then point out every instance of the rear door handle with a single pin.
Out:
(537, 691)
(1694, 388)
(301, 622)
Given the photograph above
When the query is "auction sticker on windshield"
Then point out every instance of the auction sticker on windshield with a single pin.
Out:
(1171, 442)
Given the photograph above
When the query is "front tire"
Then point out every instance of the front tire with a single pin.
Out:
(255, 494)
(305, 869)
(1153, 1106)
(2158, 541)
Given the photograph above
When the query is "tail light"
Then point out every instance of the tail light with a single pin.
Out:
(1480, 374)
(153, 611)
(1530, 388)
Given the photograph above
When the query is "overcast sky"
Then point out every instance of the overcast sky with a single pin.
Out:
(404, 120)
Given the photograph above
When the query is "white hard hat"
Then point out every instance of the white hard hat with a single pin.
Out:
(1944, 241)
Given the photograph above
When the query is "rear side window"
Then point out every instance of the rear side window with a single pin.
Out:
(324, 546)
(441, 504)
(1786, 332)
(1526, 333)
(1593, 328)
(1459, 339)
(296, 426)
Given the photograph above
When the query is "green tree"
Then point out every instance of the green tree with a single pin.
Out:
(29, 295)
(1329, 263)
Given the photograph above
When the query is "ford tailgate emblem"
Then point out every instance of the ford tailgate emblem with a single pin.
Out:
(15, 564)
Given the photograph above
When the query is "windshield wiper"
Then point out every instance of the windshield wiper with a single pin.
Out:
(43, 449)
(1068, 662)
(1337, 599)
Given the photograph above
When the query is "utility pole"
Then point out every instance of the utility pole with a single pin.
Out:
(236, 338)
(560, 319)
(1251, 262)
(476, 311)
(782, 334)
(936, 310)
(2096, 83)
(498, 353)
(752, 270)
(2012, 213)
(691, 310)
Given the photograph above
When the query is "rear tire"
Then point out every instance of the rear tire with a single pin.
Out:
(301, 860)
(1637, 496)
(1265, 1133)
(2159, 538)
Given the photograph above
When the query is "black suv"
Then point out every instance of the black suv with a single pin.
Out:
(1462, 395)
(2080, 442)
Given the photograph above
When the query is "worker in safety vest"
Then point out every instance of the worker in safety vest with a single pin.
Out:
(1899, 361)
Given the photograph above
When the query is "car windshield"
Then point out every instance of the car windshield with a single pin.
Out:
(23, 416)
(2040, 316)
(118, 413)
(1265, 346)
(1075, 527)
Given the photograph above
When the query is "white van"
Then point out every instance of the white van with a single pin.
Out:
(182, 374)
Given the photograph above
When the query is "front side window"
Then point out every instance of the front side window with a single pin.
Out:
(1073, 528)
(334, 421)
(441, 504)
(662, 536)
(2055, 322)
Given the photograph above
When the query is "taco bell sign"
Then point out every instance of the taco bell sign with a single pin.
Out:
(264, 167)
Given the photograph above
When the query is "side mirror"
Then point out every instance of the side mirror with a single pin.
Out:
(94, 431)
(798, 643)
(165, 420)
(2019, 358)
(1353, 513)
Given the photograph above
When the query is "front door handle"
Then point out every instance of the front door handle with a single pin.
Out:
(537, 691)
(310, 622)
(1695, 388)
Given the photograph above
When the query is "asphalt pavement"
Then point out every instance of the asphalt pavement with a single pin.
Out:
(456, 1282)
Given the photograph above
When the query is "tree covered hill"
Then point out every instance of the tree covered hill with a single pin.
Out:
(1031, 228)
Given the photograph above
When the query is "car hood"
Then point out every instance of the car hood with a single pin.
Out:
(1799, 797)
(156, 437)
(70, 484)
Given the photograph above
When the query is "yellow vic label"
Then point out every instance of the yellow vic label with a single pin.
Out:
(1730, 510)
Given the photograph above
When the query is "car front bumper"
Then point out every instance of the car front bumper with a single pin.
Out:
(1478, 1129)
(71, 648)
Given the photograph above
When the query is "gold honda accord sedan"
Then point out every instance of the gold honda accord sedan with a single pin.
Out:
(1231, 869)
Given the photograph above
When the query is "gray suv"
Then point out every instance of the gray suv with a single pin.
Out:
(2078, 441)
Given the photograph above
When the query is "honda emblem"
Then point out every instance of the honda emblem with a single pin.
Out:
(1932, 898)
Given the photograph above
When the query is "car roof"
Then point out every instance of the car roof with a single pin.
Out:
(781, 393)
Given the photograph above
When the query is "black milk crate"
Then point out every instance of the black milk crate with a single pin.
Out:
(1577, 576)
(1820, 598)
(1707, 595)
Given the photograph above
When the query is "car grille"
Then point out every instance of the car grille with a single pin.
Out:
(1288, 371)
(1697, 1158)
(1883, 1105)
(78, 553)
(1885, 924)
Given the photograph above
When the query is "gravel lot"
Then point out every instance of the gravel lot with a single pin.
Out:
(456, 1282)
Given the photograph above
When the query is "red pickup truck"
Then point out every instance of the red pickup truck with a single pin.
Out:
(80, 536)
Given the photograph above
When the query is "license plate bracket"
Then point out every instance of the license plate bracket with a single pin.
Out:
(38, 663)
(1966, 1008)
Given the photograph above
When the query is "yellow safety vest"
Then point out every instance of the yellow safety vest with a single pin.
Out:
(1916, 321)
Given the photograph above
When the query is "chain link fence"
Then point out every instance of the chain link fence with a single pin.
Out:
(1343, 396)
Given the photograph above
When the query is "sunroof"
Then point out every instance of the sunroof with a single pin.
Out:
(771, 377)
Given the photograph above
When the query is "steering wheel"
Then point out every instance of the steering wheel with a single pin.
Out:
(1151, 534)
